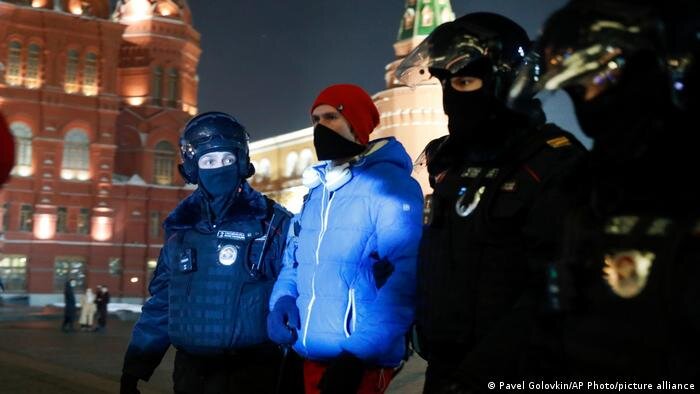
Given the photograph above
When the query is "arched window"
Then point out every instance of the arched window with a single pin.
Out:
(14, 64)
(90, 75)
(427, 16)
(71, 82)
(172, 87)
(32, 79)
(290, 166)
(76, 155)
(163, 163)
(305, 159)
(262, 170)
(157, 92)
(23, 143)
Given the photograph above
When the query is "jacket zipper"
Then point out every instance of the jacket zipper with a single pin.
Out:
(324, 225)
(350, 313)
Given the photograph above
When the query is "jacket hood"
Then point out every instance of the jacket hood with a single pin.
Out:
(190, 211)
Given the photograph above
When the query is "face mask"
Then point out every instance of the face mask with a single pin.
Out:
(332, 146)
(220, 186)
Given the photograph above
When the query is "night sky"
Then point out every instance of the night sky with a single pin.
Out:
(264, 61)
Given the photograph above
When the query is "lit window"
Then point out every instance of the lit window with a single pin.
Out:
(71, 82)
(76, 156)
(83, 223)
(14, 64)
(90, 75)
(25, 218)
(172, 87)
(291, 164)
(6, 216)
(154, 224)
(157, 93)
(163, 164)
(305, 159)
(32, 79)
(13, 273)
(115, 266)
(67, 268)
(262, 172)
(427, 16)
(62, 220)
(150, 267)
(23, 141)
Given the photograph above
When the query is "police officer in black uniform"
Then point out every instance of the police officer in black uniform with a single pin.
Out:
(211, 287)
(625, 294)
(492, 221)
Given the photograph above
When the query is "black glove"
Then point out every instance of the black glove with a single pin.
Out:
(128, 384)
(343, 375)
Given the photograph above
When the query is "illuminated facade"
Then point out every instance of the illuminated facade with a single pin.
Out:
(95, 101)
(414, 116)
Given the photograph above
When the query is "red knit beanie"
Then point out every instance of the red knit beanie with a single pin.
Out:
(355, 105)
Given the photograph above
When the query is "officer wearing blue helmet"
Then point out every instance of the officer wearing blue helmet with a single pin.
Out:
(210, 289)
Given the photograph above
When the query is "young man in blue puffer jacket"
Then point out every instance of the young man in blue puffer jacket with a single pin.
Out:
(345, 296)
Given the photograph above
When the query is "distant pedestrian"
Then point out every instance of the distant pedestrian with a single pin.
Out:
(101, 300)
(87, 310)
(69, 309)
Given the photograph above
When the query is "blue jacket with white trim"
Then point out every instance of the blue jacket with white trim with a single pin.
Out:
(350, 260)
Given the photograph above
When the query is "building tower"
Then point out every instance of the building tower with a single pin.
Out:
(95, 105)
(158, 84)
(414, 115)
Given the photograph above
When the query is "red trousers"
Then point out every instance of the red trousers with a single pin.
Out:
(375, 380)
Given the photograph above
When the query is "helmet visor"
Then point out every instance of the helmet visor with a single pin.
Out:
(447, 49)
(592, 59)
(209, 139)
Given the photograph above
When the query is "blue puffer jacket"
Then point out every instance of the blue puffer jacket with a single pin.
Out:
(206, 306)
(351, 260)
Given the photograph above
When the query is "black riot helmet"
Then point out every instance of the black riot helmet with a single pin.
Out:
(473, 40)
(210, 132)
(590, 47)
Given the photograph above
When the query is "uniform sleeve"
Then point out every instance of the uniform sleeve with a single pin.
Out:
(279, 241)
(399, 203)
(149, 339)
(286, 284)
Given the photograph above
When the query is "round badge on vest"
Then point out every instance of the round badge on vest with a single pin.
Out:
(228, 254)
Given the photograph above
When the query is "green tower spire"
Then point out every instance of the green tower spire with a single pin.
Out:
(422, 16)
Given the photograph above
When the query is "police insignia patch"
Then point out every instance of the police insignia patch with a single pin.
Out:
(558, 142)
(508, 186)
(620, 225)
(471, 172)
(228, 254)
(627, 272)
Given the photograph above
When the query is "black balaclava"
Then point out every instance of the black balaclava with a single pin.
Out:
(332, 146)
(477, 120)
(220, 186)
(622, 119)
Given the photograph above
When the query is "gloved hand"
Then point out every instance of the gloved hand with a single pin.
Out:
(128, 384)
(283, 321)
(343, 375)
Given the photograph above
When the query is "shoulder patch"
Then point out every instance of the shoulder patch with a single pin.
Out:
(559, 142)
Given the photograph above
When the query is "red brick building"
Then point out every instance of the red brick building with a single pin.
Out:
(95, 99)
